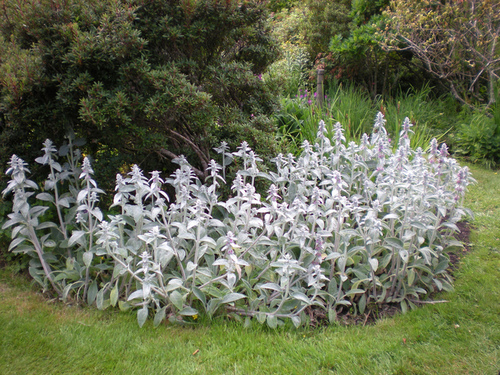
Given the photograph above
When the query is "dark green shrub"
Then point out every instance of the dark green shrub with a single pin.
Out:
(142, 81)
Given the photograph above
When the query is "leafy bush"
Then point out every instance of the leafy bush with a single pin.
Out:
(142, 81)
(290, 71)
(478, 135)
(479, 140)
(343, 226)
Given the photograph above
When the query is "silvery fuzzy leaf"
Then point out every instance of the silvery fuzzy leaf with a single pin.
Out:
(411, 276)
(209, 240)
(76, 237)
(419, 225)
(272, 321)
(320, 223)
(374, 264)
(92, 293)
(113, 296)
(78, 142)
(96, 212)
(56, 166)
(159, 316)
(191, 266)
(42, 159)
(119, 270)
(362, 304)
(391, 216)
(100, 300)
(271, 286)
(31, 184)
(451, 226)
(19, 229)
(216, 223)
(135, 211)
(394, 242)
(146, 288)
(296, 321)
(188, 311)
(45, 225)
(201, 252)
(87, 258)
(438, 284)
(354, 291)
(180, 226)
(45, 197)
(65, 202)
(37, 211)
(200, 295)
(138, 294)
(408, 235)
(404, 255)
(278, 230)
(165, 257)
(442, 211)
(173, 284)
(301, 297)
(142, 315)
(181, 253)
(82, 195)
(16, 242)
(256, 222)
(232, 297)
(192, 224)
(186, 236)
(427, 254)
(121, 251)
(155, 211)
(14, 219)
(49, 243)
(176, 298)
(231, 279)
(334, 255)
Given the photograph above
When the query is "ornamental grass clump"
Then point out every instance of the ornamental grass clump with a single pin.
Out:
(342, 227)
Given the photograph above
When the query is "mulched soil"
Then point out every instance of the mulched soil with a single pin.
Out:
(462, 236)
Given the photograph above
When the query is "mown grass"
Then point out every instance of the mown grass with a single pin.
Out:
(458, 337)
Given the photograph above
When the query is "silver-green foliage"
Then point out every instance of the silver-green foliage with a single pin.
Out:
(342, 226)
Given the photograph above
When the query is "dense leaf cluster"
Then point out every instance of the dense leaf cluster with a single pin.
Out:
(343, 226)
(142, 81)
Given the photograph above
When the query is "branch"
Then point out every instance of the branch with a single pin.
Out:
(458, 97)
(428, 302)
(201, 155)
(171, 155)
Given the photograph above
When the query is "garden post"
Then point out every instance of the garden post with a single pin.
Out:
(319, 87)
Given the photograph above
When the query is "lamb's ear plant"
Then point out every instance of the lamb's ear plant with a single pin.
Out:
(343, 227)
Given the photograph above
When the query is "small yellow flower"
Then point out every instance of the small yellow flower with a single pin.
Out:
(195, 316)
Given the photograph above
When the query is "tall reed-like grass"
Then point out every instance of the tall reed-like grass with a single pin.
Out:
(354, 108)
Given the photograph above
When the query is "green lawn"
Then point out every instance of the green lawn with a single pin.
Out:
(458, 337)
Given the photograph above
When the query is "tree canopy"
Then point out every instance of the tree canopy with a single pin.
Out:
(457, 41)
